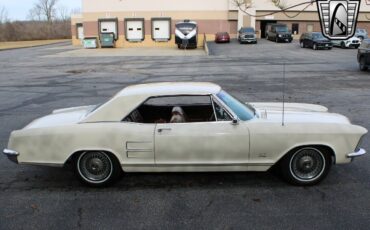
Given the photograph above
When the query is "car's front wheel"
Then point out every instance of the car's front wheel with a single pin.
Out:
(306, 166)
(314, 47)
(302, 45)
(97, 168)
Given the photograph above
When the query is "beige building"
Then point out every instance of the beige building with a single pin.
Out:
(146, 23)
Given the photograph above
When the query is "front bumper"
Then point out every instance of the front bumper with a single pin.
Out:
(358, 153)
(324, 45)
(11, 154)
(353, 45)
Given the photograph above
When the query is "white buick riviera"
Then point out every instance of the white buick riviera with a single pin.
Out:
(188, 127)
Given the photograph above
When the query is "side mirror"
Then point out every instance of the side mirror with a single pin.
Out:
(235, 121)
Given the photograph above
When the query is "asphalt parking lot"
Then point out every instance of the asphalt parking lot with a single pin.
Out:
(33, 84)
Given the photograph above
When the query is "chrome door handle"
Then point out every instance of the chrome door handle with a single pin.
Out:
(164, 129)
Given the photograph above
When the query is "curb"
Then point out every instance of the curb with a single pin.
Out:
(33, 46)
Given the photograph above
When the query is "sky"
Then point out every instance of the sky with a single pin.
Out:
(19, 9)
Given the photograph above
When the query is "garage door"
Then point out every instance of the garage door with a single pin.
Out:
(108, 27)
(135, 30)
(161, 30)
(80, 32)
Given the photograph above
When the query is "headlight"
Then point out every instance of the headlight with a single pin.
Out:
(279, 35)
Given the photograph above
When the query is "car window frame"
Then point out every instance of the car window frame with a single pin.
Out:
(223, 106)
(211, 97)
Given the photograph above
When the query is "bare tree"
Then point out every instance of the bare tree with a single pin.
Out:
(3, 15)
(244, 5)
(63, 13)
(44, 10)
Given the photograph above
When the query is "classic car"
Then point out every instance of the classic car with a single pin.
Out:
(188, 127)
(315, 40)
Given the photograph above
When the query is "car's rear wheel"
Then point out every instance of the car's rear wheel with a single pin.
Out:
(342, 45)
(97, 168)
(267, 37)
(302, 44)
(363, 66)
(306, 166)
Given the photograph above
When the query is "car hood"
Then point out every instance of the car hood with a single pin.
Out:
(60, 117)
(298, 113)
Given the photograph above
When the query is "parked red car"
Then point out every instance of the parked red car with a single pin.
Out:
(222, 37)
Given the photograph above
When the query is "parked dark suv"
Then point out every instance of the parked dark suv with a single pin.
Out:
(278, 33)
(315, 40)
(363, 55)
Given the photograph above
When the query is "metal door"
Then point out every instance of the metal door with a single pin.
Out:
(161, 30)
(135, 30)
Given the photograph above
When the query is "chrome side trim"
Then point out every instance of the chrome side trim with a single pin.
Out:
(359, 153)
(9, 152)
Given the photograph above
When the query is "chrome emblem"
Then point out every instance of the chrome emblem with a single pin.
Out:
(338, 18)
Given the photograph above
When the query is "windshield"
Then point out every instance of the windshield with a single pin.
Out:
(186, 28)
(282, 29)
(243, 111)
(247, 30)
(318, 36)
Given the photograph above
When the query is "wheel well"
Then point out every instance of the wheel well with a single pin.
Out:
(323, 148)
(74, 155)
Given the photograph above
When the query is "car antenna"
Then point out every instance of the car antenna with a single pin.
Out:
(283, 115)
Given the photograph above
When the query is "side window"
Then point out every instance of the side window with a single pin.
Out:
(173, 109)
(221, 113)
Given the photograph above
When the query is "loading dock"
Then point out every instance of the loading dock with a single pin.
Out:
(263, 26)
(134, 29)
(161, 29)
(109, 25)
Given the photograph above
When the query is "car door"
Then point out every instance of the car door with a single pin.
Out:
(201, 144)
(310, 40)
(138, 140)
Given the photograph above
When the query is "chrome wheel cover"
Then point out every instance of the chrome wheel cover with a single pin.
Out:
(307, 164)
(95, 167)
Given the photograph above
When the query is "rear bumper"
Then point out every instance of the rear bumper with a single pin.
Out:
(358, 153)
(223, 40)
(11, 154)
